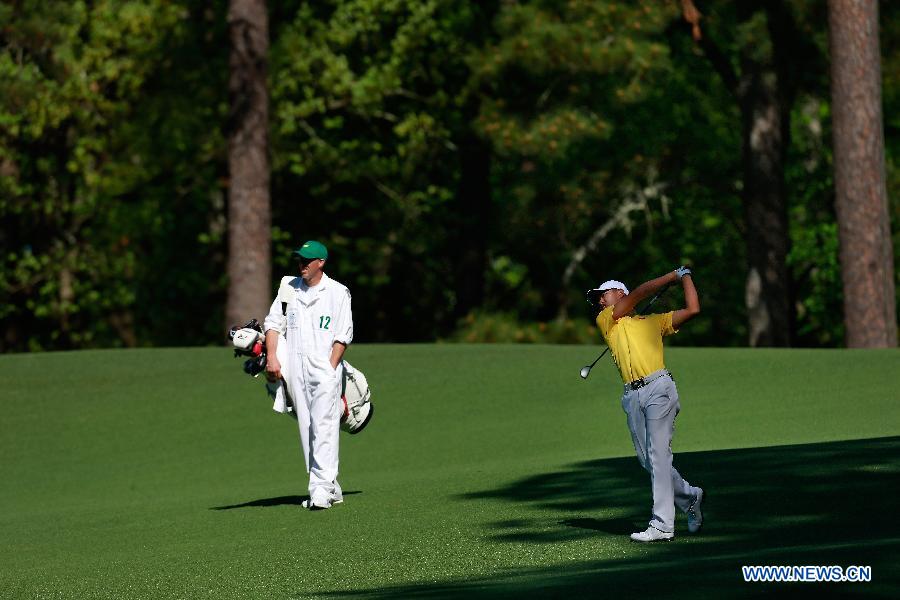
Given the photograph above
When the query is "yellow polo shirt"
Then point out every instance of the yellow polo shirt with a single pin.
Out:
(636, 342)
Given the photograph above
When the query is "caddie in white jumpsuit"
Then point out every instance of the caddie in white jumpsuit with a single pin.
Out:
(313, 314)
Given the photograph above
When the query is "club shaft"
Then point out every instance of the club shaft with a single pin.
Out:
(599, 357)
(644, 310)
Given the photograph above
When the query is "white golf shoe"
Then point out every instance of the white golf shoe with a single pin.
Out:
(652, 534)
(694, 513)
(323, 501)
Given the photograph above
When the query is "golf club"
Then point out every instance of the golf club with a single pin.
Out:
(586, 370)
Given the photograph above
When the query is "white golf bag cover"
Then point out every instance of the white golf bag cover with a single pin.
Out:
(357, 400)
(248, 341)
(355, 394)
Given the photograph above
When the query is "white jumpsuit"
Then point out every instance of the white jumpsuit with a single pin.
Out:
(314, 318)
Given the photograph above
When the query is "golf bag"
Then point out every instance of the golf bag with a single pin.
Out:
(250, 340)
(356, 398)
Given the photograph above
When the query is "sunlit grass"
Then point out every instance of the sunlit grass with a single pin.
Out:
(486, 470)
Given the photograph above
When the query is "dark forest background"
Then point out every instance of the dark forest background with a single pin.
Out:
(473, 167)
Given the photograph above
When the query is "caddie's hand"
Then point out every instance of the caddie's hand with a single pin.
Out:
(273, 369)
(682, 271)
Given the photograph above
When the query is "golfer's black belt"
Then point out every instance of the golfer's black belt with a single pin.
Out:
(639, 383)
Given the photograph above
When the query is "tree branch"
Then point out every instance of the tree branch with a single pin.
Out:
(711, 50)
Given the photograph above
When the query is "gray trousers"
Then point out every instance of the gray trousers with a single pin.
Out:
(651, 412)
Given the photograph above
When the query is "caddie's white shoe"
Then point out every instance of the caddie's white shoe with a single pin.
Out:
(694, 513)
(652, 534)
(314, 505)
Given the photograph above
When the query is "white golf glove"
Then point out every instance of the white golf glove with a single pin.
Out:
(682, 271)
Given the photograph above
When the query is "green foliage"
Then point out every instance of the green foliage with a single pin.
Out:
(814, 257)
(586, 128)
(71, 73)
(96, 172)
(178, 213)
(366, 128)
(469, 164)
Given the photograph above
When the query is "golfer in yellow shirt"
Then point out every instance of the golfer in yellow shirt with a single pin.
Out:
(650, 400)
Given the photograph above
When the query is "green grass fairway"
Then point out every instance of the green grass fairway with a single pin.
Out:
(486, 471)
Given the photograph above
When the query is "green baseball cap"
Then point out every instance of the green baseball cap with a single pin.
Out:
(312, 249)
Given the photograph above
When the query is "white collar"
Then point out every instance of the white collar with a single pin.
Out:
(319, 286)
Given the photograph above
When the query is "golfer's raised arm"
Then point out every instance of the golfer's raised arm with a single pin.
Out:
(691, 300)
(646, 289)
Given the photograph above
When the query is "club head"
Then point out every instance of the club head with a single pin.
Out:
(585, 371)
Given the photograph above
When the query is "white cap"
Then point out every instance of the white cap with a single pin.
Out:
(612, 284)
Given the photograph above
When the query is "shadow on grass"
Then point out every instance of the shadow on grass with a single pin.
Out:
(277, 501)
(814, 504)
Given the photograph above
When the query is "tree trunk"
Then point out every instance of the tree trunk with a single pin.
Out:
(764, 89)
(249, 212)
(768, 286)
(867, 261)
